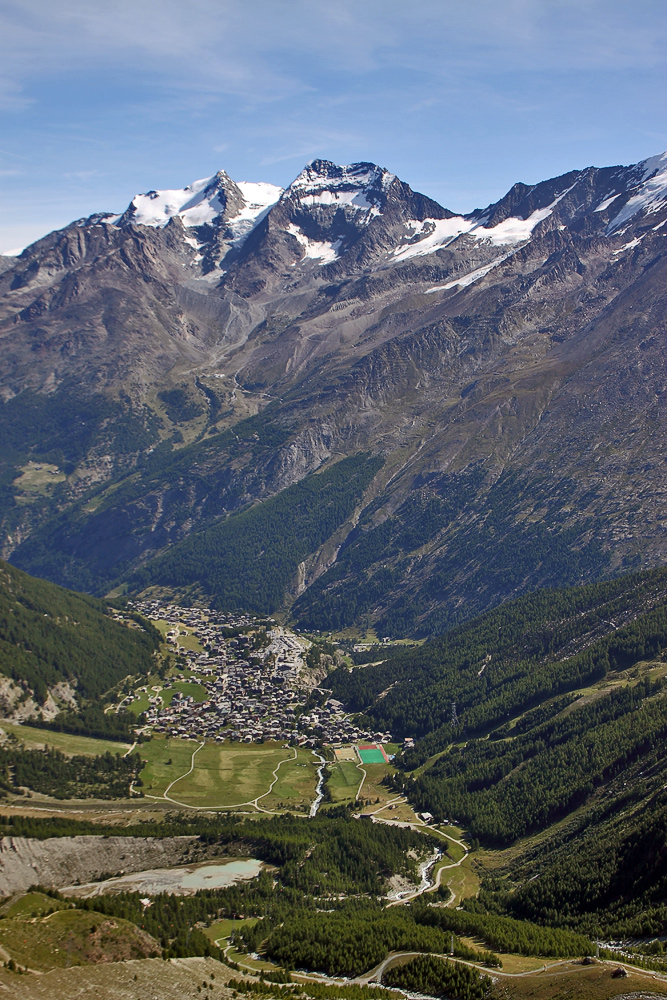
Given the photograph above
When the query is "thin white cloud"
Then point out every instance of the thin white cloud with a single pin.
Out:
(263, 50)
(82, 175)
(461, 99)
(12, 97)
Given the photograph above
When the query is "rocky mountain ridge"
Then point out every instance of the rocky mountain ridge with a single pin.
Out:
(209, 348)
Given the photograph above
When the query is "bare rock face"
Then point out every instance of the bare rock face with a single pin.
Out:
(212, 346)
(62, 861)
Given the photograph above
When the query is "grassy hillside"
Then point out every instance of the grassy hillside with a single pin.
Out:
(41, 932)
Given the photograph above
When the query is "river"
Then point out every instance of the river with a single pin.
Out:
(319, 791)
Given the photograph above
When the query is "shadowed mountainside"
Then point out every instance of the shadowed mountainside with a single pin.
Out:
(209, 349)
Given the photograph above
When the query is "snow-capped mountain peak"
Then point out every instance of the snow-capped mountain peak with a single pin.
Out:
(196, 204)
(258, 198)
(362, 213)
(203, 203)
(648, 194)
(358, 186)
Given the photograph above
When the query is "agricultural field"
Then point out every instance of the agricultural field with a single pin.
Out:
(344, 779)
(372, 788)
(68, 743)
(185, 638)
(189, 641)
(226, 775)
(296, 785)
(220, 931)
(37, 480)
(166, 760)
(155, 686)
(140, 703)
(351, 778)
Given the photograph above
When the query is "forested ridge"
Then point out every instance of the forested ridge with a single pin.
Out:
(107, 776)
(62, 546)
(93, 720)
(499, 551)
(561, 701)
(503, 790)
(508, 661)
(357, 938)
(605, 872)
(49, 635)
(504, 933)
(248, 561)
(371, 561)
(437, 977)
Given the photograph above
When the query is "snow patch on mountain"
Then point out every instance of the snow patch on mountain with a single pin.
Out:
(321, 174)
(258, 199)
(325, 253)
(650, 193)
(439, 233)
(194, 243)
(196, 204)
(470, 277)
(514, 230)
(629, 246)
(352, 199)
(358, 186)
(201, 203)
(434, 234)
(604, 205)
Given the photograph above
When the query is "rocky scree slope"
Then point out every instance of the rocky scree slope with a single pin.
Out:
(211, 347)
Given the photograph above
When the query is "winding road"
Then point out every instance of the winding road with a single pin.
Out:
(165, 794)
(255, 802)
(364, 776)
(235, 805)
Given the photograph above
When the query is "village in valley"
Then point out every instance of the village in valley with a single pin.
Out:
(241, 679)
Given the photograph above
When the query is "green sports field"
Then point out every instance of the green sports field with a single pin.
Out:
(371, 755)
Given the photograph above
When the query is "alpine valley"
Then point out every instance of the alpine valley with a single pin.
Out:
(341, 400)
(333, 594)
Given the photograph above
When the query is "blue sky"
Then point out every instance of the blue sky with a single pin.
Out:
(100, 99)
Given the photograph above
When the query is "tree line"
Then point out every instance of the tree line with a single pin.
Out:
(508, 661)
(437, 977)
(50, 772)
